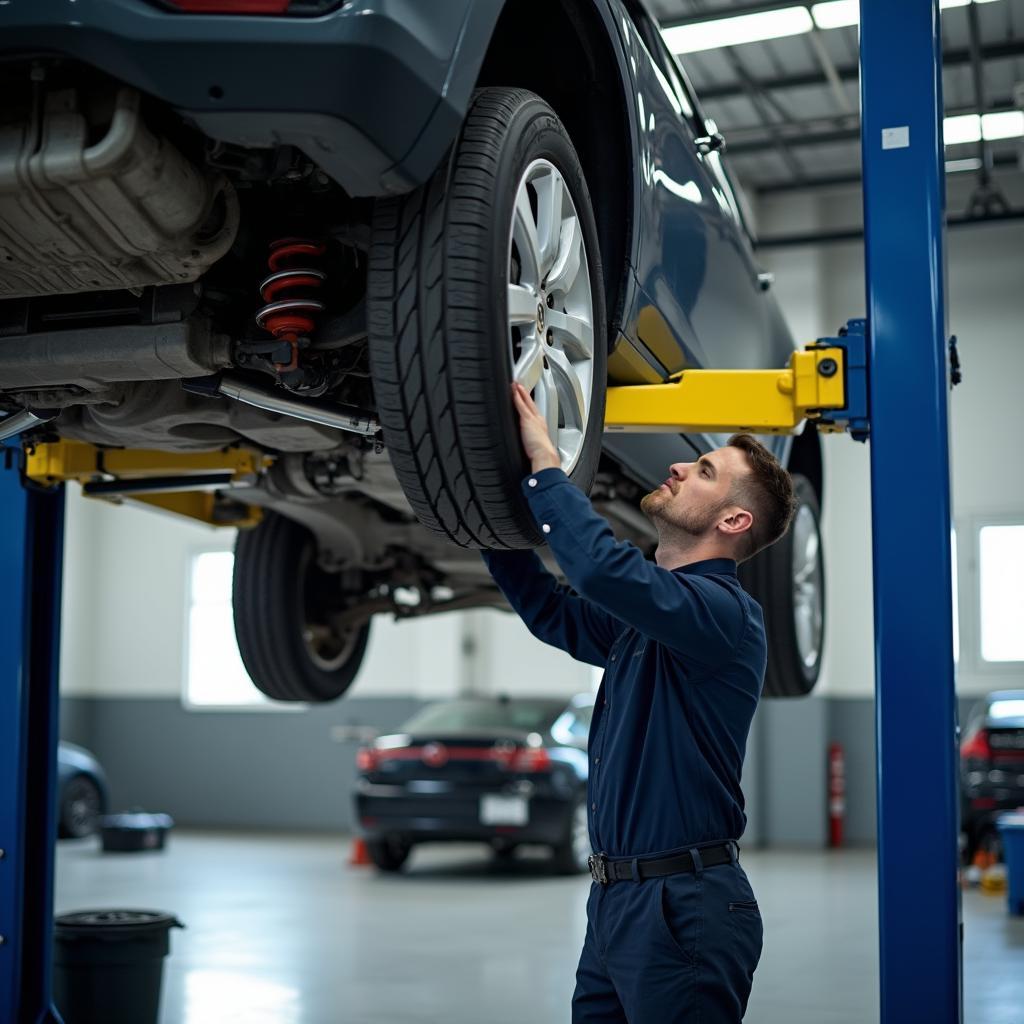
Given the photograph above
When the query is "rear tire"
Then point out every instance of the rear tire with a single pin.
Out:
(388, 853)
(788, 581)
(282, 607)
(441, 337)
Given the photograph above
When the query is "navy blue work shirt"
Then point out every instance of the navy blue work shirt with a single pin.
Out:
(684, 656)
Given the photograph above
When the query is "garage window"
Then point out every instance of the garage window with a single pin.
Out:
(214, 673)
(1000, 571)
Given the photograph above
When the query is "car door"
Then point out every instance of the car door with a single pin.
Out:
(699, 300)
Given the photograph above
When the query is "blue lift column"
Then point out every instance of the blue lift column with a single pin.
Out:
(31, 550)
(904, 226)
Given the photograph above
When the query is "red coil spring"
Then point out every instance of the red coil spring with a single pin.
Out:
(290, 308)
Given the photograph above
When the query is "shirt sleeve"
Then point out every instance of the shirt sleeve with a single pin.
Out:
(550, 611)
(697, 616)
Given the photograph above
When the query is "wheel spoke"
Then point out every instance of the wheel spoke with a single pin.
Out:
(550, 194)
(522, 305)
(524, 232)
(530, 364)
(546, 397)
(570, 389)
(567, 261)
(574, 332)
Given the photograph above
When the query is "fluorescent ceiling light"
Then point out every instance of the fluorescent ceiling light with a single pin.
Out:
(842, 13)
(745, 28)
(1007, 124)
(965, 128)
(972, 163)
(836, 13)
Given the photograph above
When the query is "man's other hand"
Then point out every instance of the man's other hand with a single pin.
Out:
(533, 429)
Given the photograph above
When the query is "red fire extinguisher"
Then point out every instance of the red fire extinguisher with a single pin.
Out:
(836, 794)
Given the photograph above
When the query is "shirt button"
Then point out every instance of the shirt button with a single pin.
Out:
(614, 656)
(593, 807)
(533, 481)
(597, 760)
(546, 528)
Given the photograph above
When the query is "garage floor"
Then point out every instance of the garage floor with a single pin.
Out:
(281, 931)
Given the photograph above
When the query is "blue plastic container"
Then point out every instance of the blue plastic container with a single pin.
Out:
(1011, 829)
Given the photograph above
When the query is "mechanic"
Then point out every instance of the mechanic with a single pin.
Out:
(674, 932)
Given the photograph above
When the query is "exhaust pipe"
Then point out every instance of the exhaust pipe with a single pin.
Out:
(342, 417)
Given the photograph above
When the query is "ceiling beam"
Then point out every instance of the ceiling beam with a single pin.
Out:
(848, 73)
(1001, 161)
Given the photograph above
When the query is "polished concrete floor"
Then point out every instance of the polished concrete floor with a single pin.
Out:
(280, 930)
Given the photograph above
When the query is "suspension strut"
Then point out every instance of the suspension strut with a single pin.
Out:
(290, 310)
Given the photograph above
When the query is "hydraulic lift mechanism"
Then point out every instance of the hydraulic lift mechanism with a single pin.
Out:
(887, 372)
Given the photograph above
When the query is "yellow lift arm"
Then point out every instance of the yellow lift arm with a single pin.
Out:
(173, 481)
(726, 401)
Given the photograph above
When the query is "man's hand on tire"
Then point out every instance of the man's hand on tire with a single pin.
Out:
(533, 429)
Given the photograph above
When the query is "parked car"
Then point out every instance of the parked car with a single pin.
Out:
(81, 792)
(991, 765)
(499, 770)
(334, 231)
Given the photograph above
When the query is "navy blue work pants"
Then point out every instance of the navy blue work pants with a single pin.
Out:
(671, 950)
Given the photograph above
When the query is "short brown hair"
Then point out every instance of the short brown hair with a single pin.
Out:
(768, 491)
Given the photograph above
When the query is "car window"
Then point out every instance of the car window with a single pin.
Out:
(530, 716)
(666, 64)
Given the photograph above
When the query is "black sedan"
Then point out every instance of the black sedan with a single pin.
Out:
(499, 770)
(991, 765)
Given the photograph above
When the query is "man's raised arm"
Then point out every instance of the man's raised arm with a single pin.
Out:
(550, 611)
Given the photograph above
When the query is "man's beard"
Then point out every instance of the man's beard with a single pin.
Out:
(681, 523)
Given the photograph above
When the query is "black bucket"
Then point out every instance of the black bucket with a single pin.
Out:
(108, 965)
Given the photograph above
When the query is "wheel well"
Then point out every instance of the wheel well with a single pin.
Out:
(805, 458)
(585, 89)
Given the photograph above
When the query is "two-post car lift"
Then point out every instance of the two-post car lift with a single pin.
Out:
(888, 374)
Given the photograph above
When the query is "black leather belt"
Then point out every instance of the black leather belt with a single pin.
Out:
(634, 869)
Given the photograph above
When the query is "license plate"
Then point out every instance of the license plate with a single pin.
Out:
(504, 810)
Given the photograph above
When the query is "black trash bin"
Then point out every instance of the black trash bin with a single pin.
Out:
(108, 965)
(134, 831)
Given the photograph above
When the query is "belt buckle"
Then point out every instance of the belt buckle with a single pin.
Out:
(598, 864)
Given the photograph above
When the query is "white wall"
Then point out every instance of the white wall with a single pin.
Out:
(819, 289)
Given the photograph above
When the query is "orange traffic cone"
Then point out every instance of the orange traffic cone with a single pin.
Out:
(359, 856)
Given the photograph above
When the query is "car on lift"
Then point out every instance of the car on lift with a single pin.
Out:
(333, 232)
(504, 771)
(991, 767)
(82, 793)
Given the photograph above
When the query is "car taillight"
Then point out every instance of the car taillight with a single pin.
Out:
(367, 759)
(530, 759)
(231, 6)
(976, 746)
(252, 7)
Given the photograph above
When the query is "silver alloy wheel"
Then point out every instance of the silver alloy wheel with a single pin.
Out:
(550, 307)
(807, 586)
(580, 836)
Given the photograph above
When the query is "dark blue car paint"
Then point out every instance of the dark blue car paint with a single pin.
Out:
(376, 91)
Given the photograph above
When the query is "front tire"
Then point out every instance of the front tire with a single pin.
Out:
(81, 804)
(488, 273)
(283, 605)
(788, 581)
